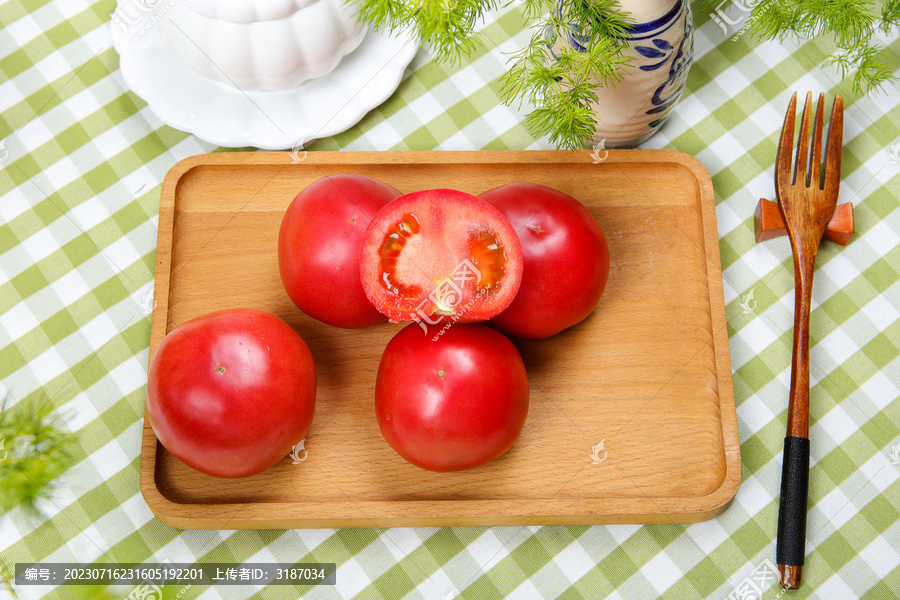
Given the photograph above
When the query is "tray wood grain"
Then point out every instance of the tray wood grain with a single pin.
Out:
(648, 371)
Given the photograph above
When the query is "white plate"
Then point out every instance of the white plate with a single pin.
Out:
(271, 120)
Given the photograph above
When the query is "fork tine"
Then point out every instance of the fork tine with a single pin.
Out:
(785, 146)
(803, 142)
(816, 151)
(833, 149)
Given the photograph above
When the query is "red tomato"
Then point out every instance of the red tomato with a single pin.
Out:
(452, 397)
(318, 248)
(439, 254)
(230, 393)
(566, 260)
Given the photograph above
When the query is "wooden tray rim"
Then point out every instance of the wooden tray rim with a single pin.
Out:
(454, 512)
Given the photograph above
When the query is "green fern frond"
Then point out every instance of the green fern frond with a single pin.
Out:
(850, 23)
(558, 80)
(561, 80)
(35, 452)
(446, 26)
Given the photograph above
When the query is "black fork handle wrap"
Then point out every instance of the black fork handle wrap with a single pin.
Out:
(790, 546)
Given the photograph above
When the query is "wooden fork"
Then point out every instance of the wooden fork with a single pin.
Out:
(807, 195)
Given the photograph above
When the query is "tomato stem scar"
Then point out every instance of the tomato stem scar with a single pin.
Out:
(220, 369)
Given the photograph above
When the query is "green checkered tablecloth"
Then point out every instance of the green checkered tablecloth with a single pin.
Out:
(81, 163)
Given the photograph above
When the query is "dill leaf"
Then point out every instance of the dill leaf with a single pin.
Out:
(559, 80)
(851, 24)
(35, 452)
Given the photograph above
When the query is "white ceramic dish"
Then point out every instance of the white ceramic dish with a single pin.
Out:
(279, 51)
(266, 119)
(246, 11)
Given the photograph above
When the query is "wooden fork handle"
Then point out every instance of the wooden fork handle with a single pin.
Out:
(798, 400)
(790, 547)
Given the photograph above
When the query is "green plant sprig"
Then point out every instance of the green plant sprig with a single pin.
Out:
(890, 16)
(851, 24)
(6, 577)
(559, 80)
(445, 25)
(35, 452)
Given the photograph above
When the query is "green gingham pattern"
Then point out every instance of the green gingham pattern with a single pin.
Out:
(82, 163)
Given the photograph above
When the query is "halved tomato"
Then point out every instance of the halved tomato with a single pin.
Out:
(439, 255)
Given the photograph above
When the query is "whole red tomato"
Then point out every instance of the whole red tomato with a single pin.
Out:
(438, 256)
(230, 393)
(566, 260)
(450, 398)
(318, 248)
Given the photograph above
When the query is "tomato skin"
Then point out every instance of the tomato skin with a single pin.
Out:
(318, 248)
(566, 260)
(451, 403)
(231, 392)
(440, 255)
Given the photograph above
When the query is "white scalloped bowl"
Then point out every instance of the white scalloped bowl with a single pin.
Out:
(246, 11)
(278, 53)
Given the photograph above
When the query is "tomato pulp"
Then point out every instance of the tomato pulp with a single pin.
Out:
(318, 248)
(231, 393)
(566, 260)
(454, 402)
(440, 255)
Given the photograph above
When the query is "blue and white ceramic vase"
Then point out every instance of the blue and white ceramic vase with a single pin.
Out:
(661, 41)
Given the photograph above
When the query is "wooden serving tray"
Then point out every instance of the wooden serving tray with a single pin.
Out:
(648, 373)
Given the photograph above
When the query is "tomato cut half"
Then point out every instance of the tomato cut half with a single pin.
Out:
(439, 255)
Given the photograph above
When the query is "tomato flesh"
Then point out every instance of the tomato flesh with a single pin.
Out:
(440, 254)
(391, 248)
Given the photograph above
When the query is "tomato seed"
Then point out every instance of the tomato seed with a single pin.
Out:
(490, 258)
(391, 247)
